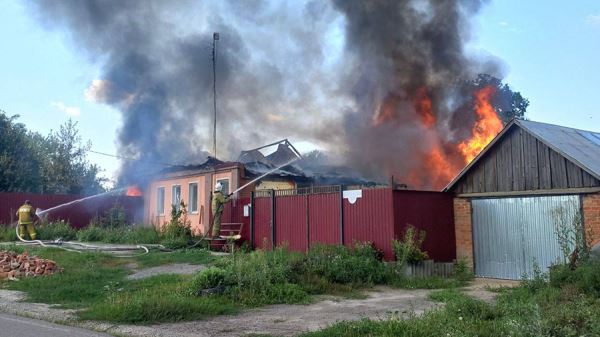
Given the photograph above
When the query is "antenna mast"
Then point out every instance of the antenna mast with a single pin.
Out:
(214, 61)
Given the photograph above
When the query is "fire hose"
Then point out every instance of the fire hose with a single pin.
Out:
(58, 243)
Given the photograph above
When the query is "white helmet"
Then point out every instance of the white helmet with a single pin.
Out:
(219, 187)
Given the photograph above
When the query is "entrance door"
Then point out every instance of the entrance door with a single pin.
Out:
(511, 235)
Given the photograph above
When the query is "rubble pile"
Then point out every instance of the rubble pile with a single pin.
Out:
(13, 266)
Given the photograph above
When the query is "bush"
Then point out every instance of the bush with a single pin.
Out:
(56, 230)
(264, 277)
(408, 250)
(209, 278)
(462, 272)
(338, 264)
(177, 233)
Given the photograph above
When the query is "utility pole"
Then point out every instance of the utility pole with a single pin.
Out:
(214, 61)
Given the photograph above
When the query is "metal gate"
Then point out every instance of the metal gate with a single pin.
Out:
(511, 235)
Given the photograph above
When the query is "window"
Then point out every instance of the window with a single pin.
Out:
(193, 198)
(176, 196)
(225, 183)
(160, 200)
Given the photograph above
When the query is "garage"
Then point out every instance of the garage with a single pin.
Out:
(512, 235)
(533, 181)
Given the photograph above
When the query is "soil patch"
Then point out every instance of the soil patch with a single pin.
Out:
(175, 268)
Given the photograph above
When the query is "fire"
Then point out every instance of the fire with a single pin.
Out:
(133, 191)
(488, 125)
(423, 107)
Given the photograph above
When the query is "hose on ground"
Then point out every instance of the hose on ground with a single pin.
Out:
(59, 244)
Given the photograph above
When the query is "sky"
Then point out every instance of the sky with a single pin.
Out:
(550, 53)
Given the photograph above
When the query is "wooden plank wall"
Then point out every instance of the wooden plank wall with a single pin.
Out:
(520, 162)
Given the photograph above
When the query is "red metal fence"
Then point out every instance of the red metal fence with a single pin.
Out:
(300, 218)
(78, 215)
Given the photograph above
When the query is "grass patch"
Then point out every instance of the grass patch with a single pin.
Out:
(124, 235)
(279, 276)
(156, 299)
(7, 233)
(562, 303)
(81, 284)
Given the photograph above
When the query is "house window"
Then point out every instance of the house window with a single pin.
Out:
(193, 198)
(176, 196)
(160, 200)
(225, 183)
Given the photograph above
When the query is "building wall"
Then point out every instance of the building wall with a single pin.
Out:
(199, 220)
(195, 218)
(520, 162)
(463, 230)
(591, 217)
(275, 185)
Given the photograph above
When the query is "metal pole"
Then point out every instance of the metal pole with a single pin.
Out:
(341, 215)
(214, 61)
(252, 219)
(273, 222)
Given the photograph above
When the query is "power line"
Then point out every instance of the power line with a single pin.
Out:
(130, 159)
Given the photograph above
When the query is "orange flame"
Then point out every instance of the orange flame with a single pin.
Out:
(488, 125)
(423, 106)
(133, 191)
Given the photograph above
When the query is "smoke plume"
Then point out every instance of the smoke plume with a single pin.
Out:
(376, 83)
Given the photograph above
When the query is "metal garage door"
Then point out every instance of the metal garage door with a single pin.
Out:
(511, 234)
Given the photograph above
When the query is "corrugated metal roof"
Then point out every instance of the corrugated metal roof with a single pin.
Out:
(580, 146)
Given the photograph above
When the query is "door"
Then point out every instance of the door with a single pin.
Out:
(512, 235)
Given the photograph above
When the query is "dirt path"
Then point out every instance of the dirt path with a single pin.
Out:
(276, 320)
(175, 268)
(289, 320)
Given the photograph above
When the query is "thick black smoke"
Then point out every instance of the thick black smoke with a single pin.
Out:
(157, 70)
(314, 70)
(401, 53)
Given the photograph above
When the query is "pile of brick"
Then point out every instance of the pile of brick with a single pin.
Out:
(13, 266)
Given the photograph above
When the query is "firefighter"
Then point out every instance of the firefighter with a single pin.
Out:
(218, 203)
(26, 214)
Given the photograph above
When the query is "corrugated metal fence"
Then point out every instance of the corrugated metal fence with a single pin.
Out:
(78, 215)
(302, 217)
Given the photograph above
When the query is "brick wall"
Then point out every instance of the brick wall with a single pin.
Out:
(463, 230)
(591, 217)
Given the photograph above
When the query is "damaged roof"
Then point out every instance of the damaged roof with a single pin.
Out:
(579, 146)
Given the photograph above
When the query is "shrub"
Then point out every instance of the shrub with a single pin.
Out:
(56, 230)
(408, 250)
(209, 278)
(114, 217)
(263, 277)
(462, 272)
(339, 264)
(177, 233)
(91, 233)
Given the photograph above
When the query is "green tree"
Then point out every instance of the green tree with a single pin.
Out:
(56, 163)
(19, 163)
(508, 104)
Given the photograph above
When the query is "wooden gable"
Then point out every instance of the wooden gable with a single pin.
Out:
(518, 161)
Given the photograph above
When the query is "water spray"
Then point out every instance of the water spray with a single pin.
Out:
(39, 212)
(263, 175)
